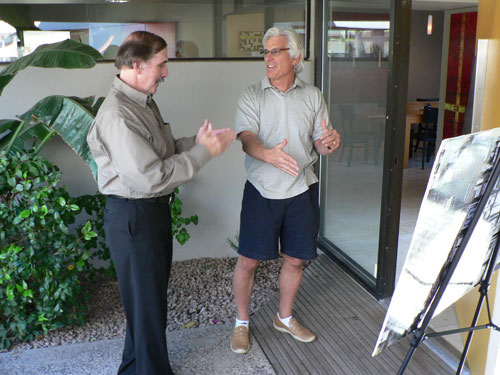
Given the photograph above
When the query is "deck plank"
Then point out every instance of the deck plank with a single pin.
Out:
(347, 320)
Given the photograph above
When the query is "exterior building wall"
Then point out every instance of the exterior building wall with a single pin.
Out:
(194, 90)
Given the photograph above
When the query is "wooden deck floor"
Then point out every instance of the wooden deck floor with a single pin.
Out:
(347, 320)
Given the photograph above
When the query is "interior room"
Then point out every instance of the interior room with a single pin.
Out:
(433, 66)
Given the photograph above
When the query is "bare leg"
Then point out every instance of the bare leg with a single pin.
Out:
(244, 278)
(290, 277)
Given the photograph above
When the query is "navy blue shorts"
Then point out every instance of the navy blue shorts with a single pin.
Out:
(266, 223)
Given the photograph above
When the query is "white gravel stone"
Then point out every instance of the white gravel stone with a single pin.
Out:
(200, 294)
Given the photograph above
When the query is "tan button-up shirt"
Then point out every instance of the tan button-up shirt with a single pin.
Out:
(135, 152)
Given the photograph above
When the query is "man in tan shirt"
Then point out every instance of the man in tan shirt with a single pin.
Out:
(139, 165)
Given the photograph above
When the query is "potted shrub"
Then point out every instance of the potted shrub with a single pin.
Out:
(41, 259)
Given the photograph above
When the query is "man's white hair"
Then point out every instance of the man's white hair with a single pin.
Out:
(294, 43)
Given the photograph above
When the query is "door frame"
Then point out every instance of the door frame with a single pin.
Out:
(392, 180)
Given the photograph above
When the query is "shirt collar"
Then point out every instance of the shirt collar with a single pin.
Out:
(133, 94)
(265, 83)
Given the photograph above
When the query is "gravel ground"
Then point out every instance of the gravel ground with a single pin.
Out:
(200, 294)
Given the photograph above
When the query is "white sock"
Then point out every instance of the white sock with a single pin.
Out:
(241, 323)
(285, 321)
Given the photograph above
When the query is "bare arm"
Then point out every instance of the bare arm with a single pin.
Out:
(275, 156)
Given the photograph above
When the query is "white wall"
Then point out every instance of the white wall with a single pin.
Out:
(193, 91)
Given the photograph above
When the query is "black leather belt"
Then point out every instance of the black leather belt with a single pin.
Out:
(160, 200)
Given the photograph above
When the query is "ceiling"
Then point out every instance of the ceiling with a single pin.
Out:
(431, 5)
(416, 4)
(442, 4)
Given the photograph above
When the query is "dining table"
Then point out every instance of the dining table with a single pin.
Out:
(414, 113)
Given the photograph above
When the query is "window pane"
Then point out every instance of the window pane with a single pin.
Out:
(192, 29)
(358, 48)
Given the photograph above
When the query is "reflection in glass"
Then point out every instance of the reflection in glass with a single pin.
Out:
(104, 37)
(358, 49)
(192, 29)
(350, 43)
(8, 42)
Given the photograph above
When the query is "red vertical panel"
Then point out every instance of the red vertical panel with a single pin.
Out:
(460, 60)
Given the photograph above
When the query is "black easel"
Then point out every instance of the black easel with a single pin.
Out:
(475, 210)
(483, 290)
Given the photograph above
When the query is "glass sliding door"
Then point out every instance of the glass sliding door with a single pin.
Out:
(357, 61)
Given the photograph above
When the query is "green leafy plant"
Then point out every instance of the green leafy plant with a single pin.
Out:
(70, 117)
(234, 243)
(67, 54)
(41, 260)
(93, 205)
(179, 223)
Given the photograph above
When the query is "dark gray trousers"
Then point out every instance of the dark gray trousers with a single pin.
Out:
(139, 237)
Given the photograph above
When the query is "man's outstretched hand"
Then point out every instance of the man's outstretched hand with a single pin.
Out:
(280, 159)
(275, 156)
(216, 140)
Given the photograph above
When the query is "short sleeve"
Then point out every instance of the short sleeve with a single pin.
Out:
(247, 113)
(321, 113)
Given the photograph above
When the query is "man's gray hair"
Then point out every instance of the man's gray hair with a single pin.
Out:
(294, 43)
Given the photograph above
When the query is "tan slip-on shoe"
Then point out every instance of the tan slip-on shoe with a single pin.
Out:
(297, 330)
(240, 340)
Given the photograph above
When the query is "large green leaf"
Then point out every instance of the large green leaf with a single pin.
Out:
(7, 132)
(6, 125)
(89, 103)
(44, 110)
(67, 54)
(4, 80)
(97, 105)
(35, 133)
(70, 120)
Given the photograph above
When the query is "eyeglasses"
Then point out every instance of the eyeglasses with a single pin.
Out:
(274, 51)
